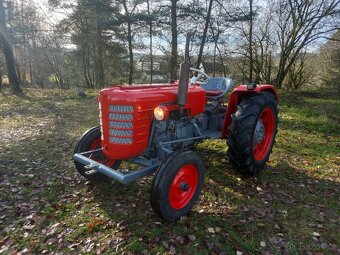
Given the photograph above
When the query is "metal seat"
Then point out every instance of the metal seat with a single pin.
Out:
(217, 87)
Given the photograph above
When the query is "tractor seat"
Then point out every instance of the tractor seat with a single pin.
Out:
(217, 87)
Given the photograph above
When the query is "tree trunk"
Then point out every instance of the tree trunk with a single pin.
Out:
(214, 73)
(268, 80)
(130, 53)
(174, 33)
(8, 52)
(129, 38)
(150, 35)
(281, 74)
(99, 64)
(88, 84)
(31, 73)
(251, 60)
(0, 80)
(205, 31)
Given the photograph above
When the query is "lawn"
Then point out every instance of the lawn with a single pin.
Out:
(292, 207)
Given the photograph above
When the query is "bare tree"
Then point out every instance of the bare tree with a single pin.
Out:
(174, 33)
(299, 24)
(299, 74)
(250, 41)
(150, 37)
(263, 46)
(205, 31)
(330, 62)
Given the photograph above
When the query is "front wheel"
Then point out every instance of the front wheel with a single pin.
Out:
(252, 132)
(90, 141)
(177, 184)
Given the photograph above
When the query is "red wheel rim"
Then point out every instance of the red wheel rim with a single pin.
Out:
(97, 145)
(261, 149)
(183, 186)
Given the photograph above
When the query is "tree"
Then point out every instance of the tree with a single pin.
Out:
(150, 38)
(8, 52)
(300, 72)
(330, 54)
(130, 17)
(300, 23)
(205, 31)
(174, 43)
(96, 37)
(251, 59)
(131, 22)
(262, 47)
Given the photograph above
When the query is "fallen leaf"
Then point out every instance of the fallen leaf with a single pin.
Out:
(316, 234)
(192, 237)
(211, 230)
(180, 239)
(28, 227)
(165, 244)
(172, 250)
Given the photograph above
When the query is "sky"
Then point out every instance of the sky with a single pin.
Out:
(53, 17)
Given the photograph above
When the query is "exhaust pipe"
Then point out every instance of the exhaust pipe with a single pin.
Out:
(184, 78)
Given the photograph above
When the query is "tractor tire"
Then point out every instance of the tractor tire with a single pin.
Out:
(91, 140)
(177, 184)
(252, 133)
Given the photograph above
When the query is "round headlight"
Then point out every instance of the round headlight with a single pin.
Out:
(161, 113)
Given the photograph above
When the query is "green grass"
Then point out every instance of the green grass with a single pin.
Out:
(47, 207)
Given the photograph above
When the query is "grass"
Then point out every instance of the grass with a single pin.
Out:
(292, 207)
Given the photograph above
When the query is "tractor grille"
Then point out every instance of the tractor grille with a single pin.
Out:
(121, 108)
(120, 116)
(118, 125)
(121, 124)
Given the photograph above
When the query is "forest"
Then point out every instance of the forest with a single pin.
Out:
(93, 44)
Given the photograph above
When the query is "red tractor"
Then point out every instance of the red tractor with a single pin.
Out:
(154, 126)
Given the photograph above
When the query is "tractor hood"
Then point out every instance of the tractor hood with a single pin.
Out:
(127, 114)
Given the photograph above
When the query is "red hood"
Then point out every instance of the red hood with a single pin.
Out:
(144, 99)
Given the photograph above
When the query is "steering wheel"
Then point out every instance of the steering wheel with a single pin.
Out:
(201, 78)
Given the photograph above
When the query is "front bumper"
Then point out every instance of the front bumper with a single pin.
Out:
(123, 176)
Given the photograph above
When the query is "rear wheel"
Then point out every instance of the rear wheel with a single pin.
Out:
(252, 132)
(177, 184)
(90, 141)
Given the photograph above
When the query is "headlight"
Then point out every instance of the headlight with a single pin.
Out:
(161, 113)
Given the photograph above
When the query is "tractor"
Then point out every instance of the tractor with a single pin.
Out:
(155, 126)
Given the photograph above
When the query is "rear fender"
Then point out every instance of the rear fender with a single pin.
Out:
(237, 96)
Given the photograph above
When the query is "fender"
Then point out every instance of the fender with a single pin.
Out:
(236, 97)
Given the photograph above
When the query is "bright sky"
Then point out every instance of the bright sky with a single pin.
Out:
(52, 16)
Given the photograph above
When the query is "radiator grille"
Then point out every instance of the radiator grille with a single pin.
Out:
(115, 132)
(121, 124)
(120, 140)
(121, 116)
(121, 108)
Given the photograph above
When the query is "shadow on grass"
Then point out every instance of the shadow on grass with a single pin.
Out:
(283, 206)
(41, 104)
(242, 211)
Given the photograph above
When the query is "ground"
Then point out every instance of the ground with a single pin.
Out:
(292, 207)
